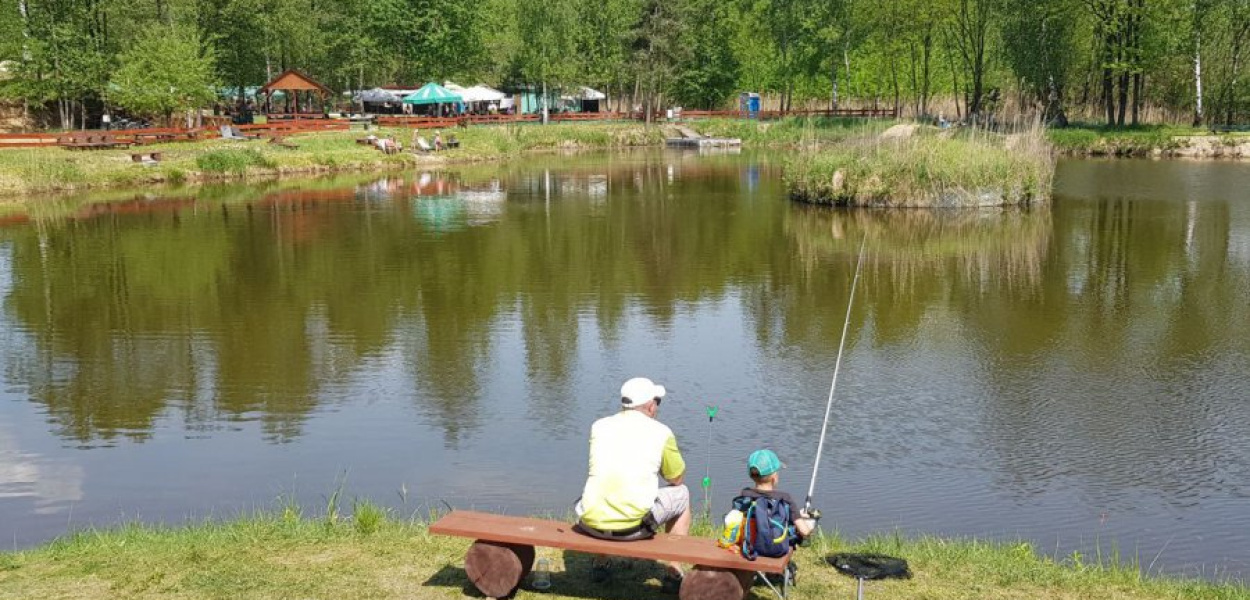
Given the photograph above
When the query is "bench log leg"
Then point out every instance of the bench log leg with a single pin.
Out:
(715, 584)
(497, 569)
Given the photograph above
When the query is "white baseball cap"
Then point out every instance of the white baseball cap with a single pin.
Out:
(639, 391)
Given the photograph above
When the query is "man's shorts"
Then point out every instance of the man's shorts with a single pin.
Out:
(670, 504)
(672, 501)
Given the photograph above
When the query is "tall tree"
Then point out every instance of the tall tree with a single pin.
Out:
(1199, 11)
(971, 26)
(602, 42)
(1038, 39)
(657, 49)
(548, 31)
(166, 71)
(708, 72)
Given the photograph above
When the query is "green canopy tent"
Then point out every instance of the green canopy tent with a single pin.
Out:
(433, 93)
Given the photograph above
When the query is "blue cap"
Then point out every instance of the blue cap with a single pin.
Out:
(763, 463)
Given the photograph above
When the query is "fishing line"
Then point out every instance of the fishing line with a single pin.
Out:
(833, 385)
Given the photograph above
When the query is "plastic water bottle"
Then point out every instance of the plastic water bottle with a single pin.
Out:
(541, 579)
(732, 533)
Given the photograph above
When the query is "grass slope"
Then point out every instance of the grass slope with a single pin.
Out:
(38, 170)
(1143, 140)
(284, 555)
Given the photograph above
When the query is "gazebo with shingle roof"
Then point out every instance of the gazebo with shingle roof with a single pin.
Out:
(293, 83)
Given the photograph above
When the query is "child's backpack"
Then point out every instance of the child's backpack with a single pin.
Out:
(766, 529)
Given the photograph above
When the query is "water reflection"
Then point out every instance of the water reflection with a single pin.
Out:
(1021, 368)
(256, 305)
(51, 485)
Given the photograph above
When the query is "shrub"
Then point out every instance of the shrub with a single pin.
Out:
(232, 160)
(367, 516)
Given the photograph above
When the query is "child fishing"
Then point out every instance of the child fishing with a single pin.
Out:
(764, 520)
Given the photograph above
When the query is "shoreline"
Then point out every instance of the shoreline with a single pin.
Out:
(55, 171)
(1149, 141)
(27, 173)
(374, 554)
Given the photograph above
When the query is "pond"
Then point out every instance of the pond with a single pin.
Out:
(1074, 375)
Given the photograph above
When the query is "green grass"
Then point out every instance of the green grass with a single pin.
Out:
(1135, 140)
(27, 171)
(928, 169)
(791, 131)
(1101, 139)
(40, 170)
(373, 555)
(233, 160)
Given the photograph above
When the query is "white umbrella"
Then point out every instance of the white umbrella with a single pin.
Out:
(482, 93)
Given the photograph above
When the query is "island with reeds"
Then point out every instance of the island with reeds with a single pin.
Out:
(912, 166)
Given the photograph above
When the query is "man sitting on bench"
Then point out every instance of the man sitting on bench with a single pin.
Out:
(623, 500)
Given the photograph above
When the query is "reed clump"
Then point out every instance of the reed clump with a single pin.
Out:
(233, 160)
(926, 167)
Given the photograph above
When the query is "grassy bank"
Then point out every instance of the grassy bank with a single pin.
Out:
(789, 132)
(372, 555)
(1148, 140)
(42, 170)
(39, 170)
(928, 168)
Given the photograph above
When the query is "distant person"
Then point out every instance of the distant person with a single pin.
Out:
(942, 123)
(438, 141)
(630, 452)
(107, 121)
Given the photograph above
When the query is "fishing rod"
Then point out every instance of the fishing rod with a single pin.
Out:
(707, 467)
(833, 385)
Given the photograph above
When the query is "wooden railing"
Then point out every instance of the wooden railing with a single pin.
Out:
(417, 122)
(866, 113)
(26, 140)
(304, 124)
(155, 135)
(291, 126)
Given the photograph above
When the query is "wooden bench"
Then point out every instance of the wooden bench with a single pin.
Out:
(503, 554)
(90, 141)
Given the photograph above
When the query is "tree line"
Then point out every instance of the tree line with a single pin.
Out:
(1118, 62)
